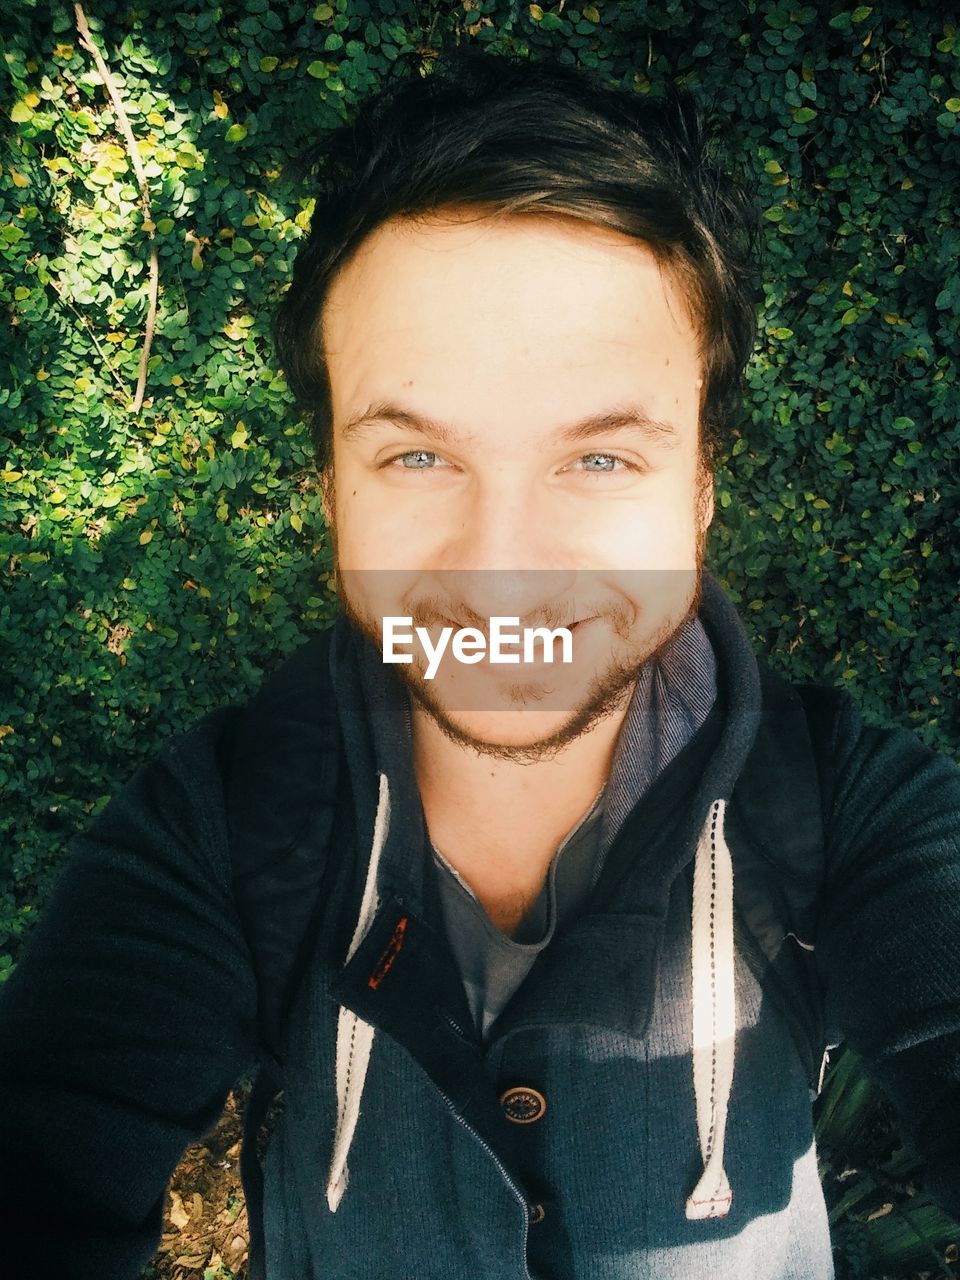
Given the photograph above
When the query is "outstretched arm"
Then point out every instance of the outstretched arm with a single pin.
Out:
(889, 945)
(130, 1016)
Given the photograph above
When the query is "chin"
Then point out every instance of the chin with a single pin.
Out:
(528, 720)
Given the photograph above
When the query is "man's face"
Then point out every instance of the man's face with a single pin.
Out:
(509, 335)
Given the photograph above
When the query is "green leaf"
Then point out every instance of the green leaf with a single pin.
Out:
(236, 133)
(849, 315)
(802, 115)
(952, 104)
(21, 113)
(318, 70)
(270, 63)
(861, 12)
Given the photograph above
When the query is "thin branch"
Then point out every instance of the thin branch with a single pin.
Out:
(123, 121)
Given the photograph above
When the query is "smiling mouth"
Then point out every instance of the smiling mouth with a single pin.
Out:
(570, 626)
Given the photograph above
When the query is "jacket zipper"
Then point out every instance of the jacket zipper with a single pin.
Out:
(521, 1198)
(518, 1194)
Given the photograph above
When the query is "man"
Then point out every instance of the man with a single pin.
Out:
(526, 1039)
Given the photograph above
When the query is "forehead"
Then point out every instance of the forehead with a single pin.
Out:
(525, 297)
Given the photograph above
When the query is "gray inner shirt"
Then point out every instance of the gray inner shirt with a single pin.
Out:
(493, 964)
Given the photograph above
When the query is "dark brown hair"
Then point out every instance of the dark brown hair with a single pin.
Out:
(512, 135)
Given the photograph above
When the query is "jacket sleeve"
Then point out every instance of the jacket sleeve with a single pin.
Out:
(129, 1018)
(888, 949)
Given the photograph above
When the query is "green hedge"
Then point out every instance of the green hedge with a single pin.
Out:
(158, 560)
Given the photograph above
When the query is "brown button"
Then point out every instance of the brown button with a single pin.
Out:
(522, 1104)
(536, 1212)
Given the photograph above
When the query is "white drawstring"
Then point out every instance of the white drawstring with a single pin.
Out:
(354, 1036)
(714, 1011)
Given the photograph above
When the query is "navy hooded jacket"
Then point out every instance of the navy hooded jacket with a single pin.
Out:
(638, 1109)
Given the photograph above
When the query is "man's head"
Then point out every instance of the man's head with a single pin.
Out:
(517, 332)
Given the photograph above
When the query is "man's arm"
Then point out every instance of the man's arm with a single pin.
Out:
(889, 944)
(129, 1018)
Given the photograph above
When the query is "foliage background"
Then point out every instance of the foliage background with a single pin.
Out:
(157, 562)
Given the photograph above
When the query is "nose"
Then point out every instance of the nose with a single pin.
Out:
(508, 560)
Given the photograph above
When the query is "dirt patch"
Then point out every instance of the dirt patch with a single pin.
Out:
(205, 1235)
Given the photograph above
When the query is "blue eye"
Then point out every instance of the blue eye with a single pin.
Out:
(418, 460)
(608, 460)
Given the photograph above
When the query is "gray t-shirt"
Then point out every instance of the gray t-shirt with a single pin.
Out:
(493, 964)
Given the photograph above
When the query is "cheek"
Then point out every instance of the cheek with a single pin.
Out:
(660, 528)
(376, 531)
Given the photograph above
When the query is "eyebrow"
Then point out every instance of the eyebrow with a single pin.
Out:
(628, 417)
